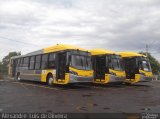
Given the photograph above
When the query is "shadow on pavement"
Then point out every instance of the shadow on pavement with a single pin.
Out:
(84, 86)
(58, 86)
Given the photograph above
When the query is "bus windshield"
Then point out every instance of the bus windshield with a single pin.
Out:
(115, 63)
(81, 62)
(145, 65)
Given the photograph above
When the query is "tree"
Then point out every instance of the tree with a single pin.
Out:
(0, 67)
(154, 62)
(5, 61)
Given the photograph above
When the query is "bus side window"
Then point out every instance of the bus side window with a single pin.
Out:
(31, 66)
(15, 62)
(25, 62)
(38, 62)
(51, 62)
(18, 62)
(44, 63)
(21, 63)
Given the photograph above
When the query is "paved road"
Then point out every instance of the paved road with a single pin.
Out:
(38, 97)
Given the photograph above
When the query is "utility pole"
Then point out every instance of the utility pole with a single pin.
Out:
(146, 50)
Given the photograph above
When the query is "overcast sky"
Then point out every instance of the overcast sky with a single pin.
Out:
(119, 25)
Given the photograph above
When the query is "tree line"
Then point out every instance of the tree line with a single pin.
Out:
(5, 62)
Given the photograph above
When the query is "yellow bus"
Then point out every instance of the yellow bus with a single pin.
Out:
(137, 67)
(59, 64)
(107, 66)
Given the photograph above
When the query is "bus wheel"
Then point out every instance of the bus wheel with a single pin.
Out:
(18, 77)
(50, 80)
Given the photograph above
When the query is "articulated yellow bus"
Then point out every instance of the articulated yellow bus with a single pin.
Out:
(137, 67)
(107, 66)
(59, 64)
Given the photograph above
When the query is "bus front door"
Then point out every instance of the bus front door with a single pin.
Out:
(99, 68)
(61, 66)
(14, 68)
(130, 68)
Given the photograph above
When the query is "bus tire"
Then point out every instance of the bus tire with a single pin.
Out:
(18, 77)
(50, 79)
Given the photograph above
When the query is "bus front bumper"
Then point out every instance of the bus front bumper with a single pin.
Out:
(141, 78)
(76, 78)
(114, 78)
(145, 78)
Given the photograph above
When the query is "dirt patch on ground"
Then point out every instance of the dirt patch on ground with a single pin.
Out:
(1, 77)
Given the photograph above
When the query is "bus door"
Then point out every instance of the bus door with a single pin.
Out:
(130, 68)
(99, 67)
(61, 65)
(14, 65)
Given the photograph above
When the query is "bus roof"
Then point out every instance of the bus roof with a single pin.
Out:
(55, 48)
(60, 47)
(100, 52)
(130, 54)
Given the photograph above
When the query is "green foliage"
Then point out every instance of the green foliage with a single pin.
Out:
(154, 63)
(5, 62)
(0, 69)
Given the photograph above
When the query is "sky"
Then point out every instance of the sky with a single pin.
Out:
(118, 25)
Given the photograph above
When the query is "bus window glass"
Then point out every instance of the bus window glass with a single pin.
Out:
(18, 63)
(146, 65)
(31, 66)
(21, 63)
(81, 62)
(51, 62)
(44, 63)
(88, 63)
(38, 62)
(116, 62)
(26, 62)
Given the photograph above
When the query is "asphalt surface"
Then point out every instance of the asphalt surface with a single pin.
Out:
(118, 98)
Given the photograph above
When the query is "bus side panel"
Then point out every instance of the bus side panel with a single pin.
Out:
(147, 73)
(66, 81)
(44, 74)
(67, 78)
(34, 75)
(119, 73)
(137, 78)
